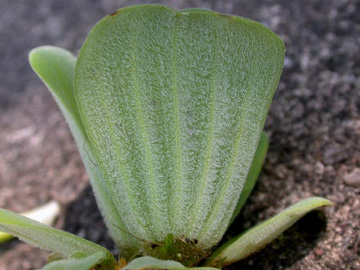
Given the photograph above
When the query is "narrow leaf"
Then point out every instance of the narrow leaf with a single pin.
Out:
(45, 214)
(257, 237)
(86, 263)
(46, 237)
(254, 173)
(174, 103)
(56, 67)
(144, 263)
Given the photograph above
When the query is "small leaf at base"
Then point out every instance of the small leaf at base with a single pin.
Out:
(256, 238)
(77, 264)
(144, 263)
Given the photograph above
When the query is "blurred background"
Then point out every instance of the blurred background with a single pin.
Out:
(314, 127)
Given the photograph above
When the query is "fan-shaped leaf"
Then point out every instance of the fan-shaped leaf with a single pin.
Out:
(174, 103)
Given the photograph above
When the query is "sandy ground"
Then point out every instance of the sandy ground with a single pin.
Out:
(314, 125)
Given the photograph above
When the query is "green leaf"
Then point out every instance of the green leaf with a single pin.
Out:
(86, 263)
(144, 263)
(257, 237)
(254, 173)
(150, 262)
(174, 103)
(4, 237)
(45, 214)
(56, 67)
(46, 237)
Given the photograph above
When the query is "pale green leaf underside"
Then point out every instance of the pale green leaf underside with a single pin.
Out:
(174, 104)
(144, 263)
(257, 237)
(56, 67)
(86, 263)
(254, 173)
(46, 237)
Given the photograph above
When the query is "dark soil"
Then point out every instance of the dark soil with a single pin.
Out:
(314, 126)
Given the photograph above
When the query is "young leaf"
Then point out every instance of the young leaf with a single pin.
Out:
(45, 214)
(174, 103)
(46, 237)
(56, 67)
(257, 237)
(253, 174)
(144, 263)
(150, 262)
(85, 263)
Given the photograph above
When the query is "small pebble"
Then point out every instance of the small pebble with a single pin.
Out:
(352, 178)
(318, 251)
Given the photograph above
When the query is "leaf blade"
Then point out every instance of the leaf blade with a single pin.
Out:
(151, 140)
(257, 237)
(45, 214)
(253, 174)
(46, 237)
(144, 263)
(86, 263)
(56, 68)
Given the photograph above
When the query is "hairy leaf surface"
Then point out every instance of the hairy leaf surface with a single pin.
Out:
(46, 237)
(254, 173)
(56, 67)
(174, 103)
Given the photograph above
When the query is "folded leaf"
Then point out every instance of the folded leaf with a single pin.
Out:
(56, 67)
(174, 103)
(86, 263)
(257, 237)
(46, 237)
(254, 173)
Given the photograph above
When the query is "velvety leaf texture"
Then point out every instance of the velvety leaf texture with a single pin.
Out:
(46, 237)
(173, 103)
(254, 173)
(56, 67)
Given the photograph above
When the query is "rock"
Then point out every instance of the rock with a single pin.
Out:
(352, 178)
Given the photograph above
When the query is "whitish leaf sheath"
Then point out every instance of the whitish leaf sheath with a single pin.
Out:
(56, 67)
(173, 104)
(257, 237)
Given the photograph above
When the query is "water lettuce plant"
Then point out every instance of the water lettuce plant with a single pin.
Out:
(167, 109)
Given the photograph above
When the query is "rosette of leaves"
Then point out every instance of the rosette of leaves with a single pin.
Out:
(167, 109)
